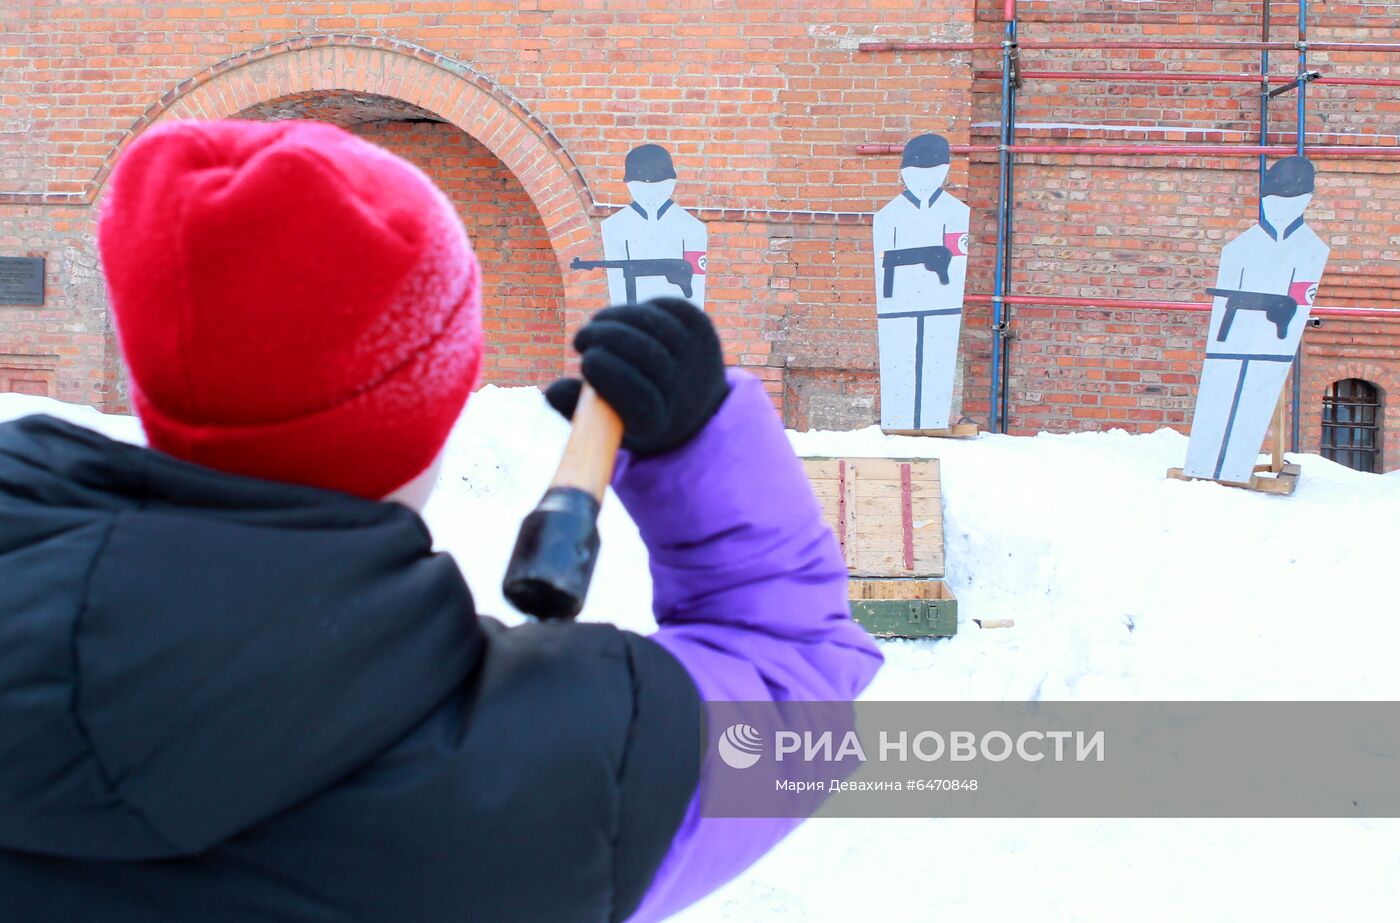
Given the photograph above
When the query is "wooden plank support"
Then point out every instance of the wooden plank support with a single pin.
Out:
(842, 514)
(906, 509)
(956, 431)
(1264, 481)
(1278, 463)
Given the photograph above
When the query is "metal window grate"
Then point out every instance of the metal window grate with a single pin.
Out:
(1351, 429)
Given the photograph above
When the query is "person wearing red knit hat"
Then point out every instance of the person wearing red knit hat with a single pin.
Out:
(293, 302)
(236, 685)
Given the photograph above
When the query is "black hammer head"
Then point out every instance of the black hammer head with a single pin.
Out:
(552, 565)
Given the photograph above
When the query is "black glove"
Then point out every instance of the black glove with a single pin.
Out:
(658, 364)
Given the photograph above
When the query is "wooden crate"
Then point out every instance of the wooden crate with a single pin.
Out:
(886, 512)
(901, 608)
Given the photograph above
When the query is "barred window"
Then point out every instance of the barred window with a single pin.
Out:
(1351, 427)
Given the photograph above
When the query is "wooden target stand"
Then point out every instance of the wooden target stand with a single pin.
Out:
(956, 431)
(1277, 477)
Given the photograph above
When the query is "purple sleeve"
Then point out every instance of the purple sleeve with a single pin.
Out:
(751, 597)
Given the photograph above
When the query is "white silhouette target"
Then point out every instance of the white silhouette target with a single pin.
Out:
(921, 244)
(1263, 294)
(653, 247)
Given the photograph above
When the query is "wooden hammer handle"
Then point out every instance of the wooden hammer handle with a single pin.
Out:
(591, 452)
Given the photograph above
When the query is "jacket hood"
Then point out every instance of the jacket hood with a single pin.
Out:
(185, 653)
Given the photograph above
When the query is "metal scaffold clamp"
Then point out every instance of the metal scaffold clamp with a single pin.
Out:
(1305, 77)
(1002, 328)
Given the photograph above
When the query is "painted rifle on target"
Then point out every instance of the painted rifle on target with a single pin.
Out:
(678, 272)
(1280, 309)
(935, 259)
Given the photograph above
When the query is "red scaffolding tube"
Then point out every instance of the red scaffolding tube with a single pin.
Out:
(1173, 77)
(1351, 46)
(1374, 48)
(1158, 150)
(1058, 301)
(1357, 81)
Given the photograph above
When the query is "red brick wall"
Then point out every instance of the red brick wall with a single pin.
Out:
(62, 349)
(1350, 348)
(763, 104)
(1151, 229)
(523, 298)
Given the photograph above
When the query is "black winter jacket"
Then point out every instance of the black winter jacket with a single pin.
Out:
(228, 699)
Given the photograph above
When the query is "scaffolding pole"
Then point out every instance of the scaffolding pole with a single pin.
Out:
(1138, 304)
(1001, 275)
(1302, 87)
(1006, 342)
(1317, 151)
(1265, 94)
(1264, 98)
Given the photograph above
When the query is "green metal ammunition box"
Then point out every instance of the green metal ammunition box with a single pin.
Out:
(928, 608)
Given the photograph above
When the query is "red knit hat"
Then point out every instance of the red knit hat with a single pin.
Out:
(293, 303)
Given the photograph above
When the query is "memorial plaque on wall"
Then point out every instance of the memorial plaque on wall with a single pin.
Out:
(22, 280)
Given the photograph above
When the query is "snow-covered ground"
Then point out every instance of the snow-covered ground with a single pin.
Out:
(1123, 585)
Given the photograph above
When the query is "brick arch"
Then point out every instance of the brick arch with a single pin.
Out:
(449, 89)
(1319, 373)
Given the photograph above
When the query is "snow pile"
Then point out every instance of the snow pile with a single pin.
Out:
(1123, 585)
(1127, 585)
(126, 429)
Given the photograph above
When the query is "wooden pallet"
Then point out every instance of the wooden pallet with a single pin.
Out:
(1265, 480)
(1277, 477)
(956, 431)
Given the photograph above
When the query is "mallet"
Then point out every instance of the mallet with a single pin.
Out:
(557, 548)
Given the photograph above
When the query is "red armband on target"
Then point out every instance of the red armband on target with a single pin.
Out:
(1303, 292)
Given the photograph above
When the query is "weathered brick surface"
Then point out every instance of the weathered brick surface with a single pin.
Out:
(63, 348)
(523, 294)
(763, 104)
(1354, 349)
(1151, 229)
